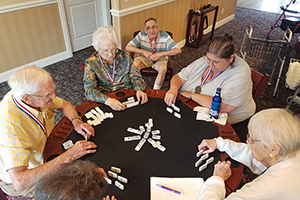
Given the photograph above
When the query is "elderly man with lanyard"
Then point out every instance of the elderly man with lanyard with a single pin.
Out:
(26, 122)
(153, 48)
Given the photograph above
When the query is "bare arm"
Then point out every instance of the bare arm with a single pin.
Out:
(134, 49)
(22, 177)
(205, 101)
(175, 85)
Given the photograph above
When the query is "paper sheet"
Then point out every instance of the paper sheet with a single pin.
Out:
(189, 187)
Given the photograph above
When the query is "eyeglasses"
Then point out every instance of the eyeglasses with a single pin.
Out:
(250, 140)
(107, 51)
(148, 28)
(47, 96)
(215, 63)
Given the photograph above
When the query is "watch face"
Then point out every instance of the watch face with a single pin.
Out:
(198, 89)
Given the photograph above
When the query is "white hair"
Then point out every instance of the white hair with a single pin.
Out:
(104, 34)
(27, 80)
(276, 126)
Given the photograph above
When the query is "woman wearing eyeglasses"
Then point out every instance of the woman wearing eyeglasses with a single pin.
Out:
(111, 69)
(272, 151)
(219, 68)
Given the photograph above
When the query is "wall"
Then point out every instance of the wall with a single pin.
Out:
(172, 15)
(31, 33)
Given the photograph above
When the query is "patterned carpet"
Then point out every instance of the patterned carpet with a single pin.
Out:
(68, 76)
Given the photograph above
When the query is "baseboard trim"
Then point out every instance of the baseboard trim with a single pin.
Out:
(40, 63)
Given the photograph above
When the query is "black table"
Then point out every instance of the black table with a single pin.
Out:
(179, 136)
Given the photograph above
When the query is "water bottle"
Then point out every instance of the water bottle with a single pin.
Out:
(216, 104)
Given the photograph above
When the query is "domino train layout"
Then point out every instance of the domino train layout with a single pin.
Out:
(114, 174)
(147, 131)
(203, 157)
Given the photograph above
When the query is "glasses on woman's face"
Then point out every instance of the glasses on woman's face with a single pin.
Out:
(107, 51)
(251, 140)
(45, 97)
(215, 63)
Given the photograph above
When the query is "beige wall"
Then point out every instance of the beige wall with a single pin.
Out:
(10, 2)
(29, 35)
(171, 16)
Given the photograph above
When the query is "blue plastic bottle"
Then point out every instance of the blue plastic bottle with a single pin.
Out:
(215, 104)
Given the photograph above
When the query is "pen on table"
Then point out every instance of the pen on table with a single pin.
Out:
(169, 189)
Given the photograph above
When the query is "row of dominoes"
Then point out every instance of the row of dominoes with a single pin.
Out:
(147, 131)
(205, 156)
(130, 102)
(170, 110)
(114, 174)
(97, 115)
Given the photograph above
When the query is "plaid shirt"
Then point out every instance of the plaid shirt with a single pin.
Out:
(22, 140)
(97, 83)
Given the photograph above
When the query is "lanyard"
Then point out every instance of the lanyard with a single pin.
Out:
(154, 45)
(25, 110)
(111, 78)
(207, 75)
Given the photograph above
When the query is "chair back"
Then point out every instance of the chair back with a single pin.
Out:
(259, 81)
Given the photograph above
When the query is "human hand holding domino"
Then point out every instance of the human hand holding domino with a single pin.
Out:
(208, 145)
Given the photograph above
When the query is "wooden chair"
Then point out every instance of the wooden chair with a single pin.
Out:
(259, 81)
(152, 72)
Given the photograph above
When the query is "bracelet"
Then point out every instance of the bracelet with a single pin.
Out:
(74, 118)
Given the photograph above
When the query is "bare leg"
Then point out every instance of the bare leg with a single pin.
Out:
(161, 68)
(139, 64)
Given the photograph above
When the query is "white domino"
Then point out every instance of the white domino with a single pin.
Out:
(131, 138)
(130, 99)
(198, 162)
(100, 112)
(119, 185)
(199, 153)
(140, 144)
(160, 147)
(210, 160)
(142, 129)
(132, 104)
(155, 132)
(204, 156)
(98, 115)
(90, 115)
(156, 137)
(177, 115)
(112, 174)
(122, 179)
(170, 110)
(108, 180)
(68, 144)
(146, 135)
(132, 130)
(202, 167)
(175, 108)
(115, 169)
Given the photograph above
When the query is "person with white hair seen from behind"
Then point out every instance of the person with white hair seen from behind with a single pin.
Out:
(111, 69)
(272, 151)
(26, 122)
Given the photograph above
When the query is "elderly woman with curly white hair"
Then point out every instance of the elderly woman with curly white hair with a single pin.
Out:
(272, 151)
(111, 69)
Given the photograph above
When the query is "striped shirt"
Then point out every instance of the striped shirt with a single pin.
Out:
(96, 80)
(163, 42)
(22, 140)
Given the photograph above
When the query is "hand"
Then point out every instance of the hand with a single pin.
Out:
(102, 172)
(170, 97)
(141, 95)
(147, 54)
(208, 146)
(155, 57)
(186, 94)
(107, 198)
(80, 149)
(115, 104)
(222, 169)
(83, 128)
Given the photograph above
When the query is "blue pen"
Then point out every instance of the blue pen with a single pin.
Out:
(169, 189)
